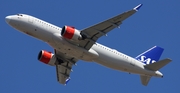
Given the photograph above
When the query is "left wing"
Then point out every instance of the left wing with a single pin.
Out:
(64, 65)
(96, 31)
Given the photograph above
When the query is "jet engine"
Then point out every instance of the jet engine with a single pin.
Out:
(47, 57)
(71, 33)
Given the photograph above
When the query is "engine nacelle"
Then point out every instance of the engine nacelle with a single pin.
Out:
(71, 33)
(47, 57)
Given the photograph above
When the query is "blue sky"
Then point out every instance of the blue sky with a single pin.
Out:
(157, 23)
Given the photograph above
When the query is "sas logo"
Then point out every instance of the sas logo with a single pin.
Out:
(146, 60)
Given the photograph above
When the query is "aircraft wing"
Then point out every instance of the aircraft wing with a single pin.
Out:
(64, 65)
(96, 31)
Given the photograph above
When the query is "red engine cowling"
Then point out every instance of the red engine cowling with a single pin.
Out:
(71, 33)
(47, 57)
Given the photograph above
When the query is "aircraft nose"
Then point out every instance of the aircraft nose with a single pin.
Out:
(8, 19)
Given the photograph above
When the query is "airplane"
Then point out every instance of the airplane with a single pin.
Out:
(71, 45)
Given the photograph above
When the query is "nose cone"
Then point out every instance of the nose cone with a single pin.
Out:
(8, 19)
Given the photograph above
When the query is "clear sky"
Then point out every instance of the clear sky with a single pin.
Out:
(156, 23)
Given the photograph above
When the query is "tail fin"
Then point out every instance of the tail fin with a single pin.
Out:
(151, 55)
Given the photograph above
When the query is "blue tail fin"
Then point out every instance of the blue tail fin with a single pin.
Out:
(151, 55)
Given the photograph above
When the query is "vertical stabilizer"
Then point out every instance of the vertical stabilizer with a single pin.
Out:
(151, 55)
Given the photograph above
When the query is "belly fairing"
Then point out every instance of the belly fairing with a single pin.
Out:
(62, 45)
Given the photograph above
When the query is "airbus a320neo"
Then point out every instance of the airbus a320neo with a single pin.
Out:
(71, 45)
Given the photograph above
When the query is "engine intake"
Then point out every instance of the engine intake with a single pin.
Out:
(71, 33)
(47, 57)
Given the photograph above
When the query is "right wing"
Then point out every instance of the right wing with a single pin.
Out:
(64, 65)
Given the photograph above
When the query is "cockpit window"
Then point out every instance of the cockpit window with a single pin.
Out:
(19, 15)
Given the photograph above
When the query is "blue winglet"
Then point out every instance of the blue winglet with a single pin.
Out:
(67, 80)
(138, 7)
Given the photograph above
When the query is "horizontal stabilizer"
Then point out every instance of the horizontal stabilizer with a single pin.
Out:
(157, 65)
(145, 79)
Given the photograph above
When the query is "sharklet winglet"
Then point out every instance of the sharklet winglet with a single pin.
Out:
(138, 7)
(67, 80)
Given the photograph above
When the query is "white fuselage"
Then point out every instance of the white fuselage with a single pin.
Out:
(98, 53)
